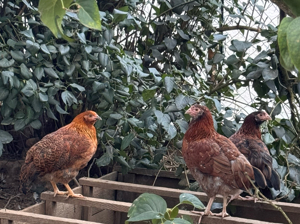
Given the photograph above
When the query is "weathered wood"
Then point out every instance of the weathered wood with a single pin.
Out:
(87, 191)
(149, 172)
(32, 218)
(124, 207)
(163, 191)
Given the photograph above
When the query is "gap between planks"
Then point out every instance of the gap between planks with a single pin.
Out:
(32, 218)
(174, 193)
(120, 206)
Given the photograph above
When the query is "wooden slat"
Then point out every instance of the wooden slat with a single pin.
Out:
(32, 218)
(124, 207)
(174, 193)
(153, 173)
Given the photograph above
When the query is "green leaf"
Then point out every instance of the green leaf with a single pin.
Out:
(186, 198)
(108, 95)
(169, 83)
(38, 72)
(1, 148)
(68, 98)
(122, 161)
(19, 124)
(126, 141)
(3, 93)
(43, 97)
(18, 56)
(282, 42)
(119, 15)
(146, 207)
(240, 46)
(293, 41)
(30, 88)
(104, 160)
(269, 74)
(170, 43)
(268, 138)
(51, 72)
(148, 94)
(45, 49)
(36, 124)
(88, 14)
(79, 87)
(4, 63)
(5, 137)
(60, 110)
(218, 58)
(32, 47)
(63, 49)
(116, 116)
(52, 13)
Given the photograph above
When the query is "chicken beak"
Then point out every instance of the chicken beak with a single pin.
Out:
(268, 118)
(189, 111)
(98, 118)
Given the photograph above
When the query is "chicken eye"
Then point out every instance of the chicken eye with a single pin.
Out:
(90, 115)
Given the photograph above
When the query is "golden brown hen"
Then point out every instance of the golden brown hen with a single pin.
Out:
(60, 155)
(248, 140)
(213, 160)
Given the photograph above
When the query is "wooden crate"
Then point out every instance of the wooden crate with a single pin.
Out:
(108, 199)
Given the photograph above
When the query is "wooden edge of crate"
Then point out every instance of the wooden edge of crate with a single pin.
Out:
(174, 193)
(160, 173)
(28, 217)
(120, 206)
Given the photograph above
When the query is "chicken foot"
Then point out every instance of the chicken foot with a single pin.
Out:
(56, 191)
(206, 211)
(71, 193)
(223, 213)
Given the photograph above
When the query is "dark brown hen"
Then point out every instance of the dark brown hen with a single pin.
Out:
(60, 155)
(213, 160)
(248, 140)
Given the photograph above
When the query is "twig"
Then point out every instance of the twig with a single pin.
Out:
(238, 27)
(11, 197)
(269, 201)
(157, 175)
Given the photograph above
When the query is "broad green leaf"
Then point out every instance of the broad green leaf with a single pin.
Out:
(88, 14)
(108, 95)
(218, 58)
(4, 63)
(122, 161)
(126, 141)
(282, 43)
(293, 41)
(119, 15)
(240, 46)
(38, 72)
(79, 87)
(269, 74)
(186, 198)
(30, 88)
(51, 72)
(170, 43)
(60, 110)
(19, 124)
(68, 98)
(36, 124)
(43, 97)
(5, 137)
(268, 138)
(146, 207)
(104, 160)
(148, 94)
(116, 116)
(171, 130)
(169, 83)
(25, 72)
(32, 47)
(45, 49)
(219, 37)
(64, 49)
(3, 93)
(18, 56)
(52, 13)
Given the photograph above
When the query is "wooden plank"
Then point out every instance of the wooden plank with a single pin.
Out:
(110, 176)
(149, 172)
(124, 207)
(32, 218)
(87, 191)
(167, 192)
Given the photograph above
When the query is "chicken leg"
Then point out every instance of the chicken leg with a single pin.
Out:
(56, 191)
(223, 213)
(70, 192)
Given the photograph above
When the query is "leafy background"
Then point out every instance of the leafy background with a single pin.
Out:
(140, 70)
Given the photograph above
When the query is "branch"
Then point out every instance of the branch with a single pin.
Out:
(238, 27)
(281, 5)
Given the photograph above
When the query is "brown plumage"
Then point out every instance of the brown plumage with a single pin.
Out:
(60, 155)
(213, 159)
(248, 140)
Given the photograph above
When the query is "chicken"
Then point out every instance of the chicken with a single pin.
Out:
(60, 155)
(213, 160)
(248, 140)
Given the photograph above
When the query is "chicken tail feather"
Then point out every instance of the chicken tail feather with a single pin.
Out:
(274, 181)
(27, 176)
(259, 178)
